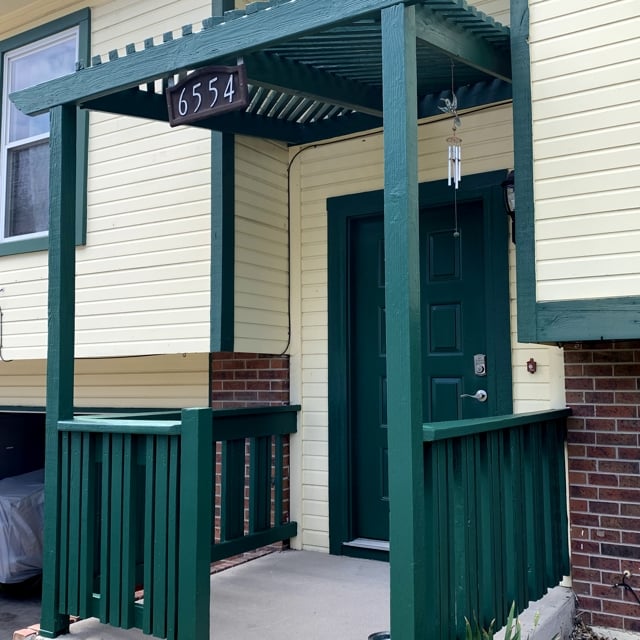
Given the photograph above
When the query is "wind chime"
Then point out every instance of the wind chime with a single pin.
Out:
(454, 151)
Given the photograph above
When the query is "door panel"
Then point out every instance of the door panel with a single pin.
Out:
(453, 316)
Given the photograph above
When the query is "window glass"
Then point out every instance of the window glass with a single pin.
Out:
(25, 139)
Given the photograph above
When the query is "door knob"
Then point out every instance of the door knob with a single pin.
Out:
(480, 395)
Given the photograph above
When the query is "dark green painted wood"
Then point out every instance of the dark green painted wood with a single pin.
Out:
(222, 241)
(120, 426)
(60, 352)
(404, 368)
(457, 428)
(149, 532)
(173, 517)
(278, 480)
(494, 533)
(342, 211)
(223, 202)
(255, 423)
(367, 380)
(87, 526)
(65, 487)
(105, 528)
(259, 484)
(475, 95)
(232, 490)
(116, 537)
(287, 76)
(252, 33)
(73, 560)
(460, 45)
(195, 524)
(523, 158)
(141, 104)
(129, 534)
(160, 542)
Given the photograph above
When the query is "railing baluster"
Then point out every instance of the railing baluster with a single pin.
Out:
(74, 510)
(149, 533)
(115, 555)
(105, 528)
(260, 484)
(173, 518)
(232, 490)
(65, 489)
(128, 534)
(278, 479)
(87, 525)
(160, 538)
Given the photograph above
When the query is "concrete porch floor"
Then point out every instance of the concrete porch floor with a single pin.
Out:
(286, 596)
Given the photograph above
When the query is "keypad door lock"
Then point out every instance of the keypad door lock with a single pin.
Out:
(480, 364)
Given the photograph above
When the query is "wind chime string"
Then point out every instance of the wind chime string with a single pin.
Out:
(454, 151)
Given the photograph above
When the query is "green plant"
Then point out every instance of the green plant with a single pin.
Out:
(513, 630)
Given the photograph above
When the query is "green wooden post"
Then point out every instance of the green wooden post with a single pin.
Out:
(62, 230)
(404, 367)
(223, 183)
(196, 486)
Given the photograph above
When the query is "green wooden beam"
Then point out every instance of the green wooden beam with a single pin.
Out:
(404, 365)
(256, 31)
(287, 76)
(461, 45)
(60, 350)
(142, 104)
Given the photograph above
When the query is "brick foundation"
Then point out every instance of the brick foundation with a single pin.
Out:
(603, 390)
(248, 380)
(241, 380)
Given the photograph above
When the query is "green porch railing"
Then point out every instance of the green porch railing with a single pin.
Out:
(136, 510)
(496, 516)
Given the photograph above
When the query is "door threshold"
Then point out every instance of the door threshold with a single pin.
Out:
(368, 543)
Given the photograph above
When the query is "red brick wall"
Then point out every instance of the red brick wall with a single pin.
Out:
(603, 390)
(249, 380)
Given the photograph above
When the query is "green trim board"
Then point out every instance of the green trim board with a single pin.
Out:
(460, 45)
(341, 210)
(614, 318)
(82, 20)
(222, 304)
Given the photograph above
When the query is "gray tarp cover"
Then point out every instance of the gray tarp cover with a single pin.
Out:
(21, 524)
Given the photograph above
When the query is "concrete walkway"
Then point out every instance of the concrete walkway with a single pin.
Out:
(286, 596)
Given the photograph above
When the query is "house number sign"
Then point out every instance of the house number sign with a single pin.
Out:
(207, 92)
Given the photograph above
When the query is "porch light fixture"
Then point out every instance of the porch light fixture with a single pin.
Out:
(509, 192)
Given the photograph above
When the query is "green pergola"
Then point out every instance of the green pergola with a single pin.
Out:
(316, 70)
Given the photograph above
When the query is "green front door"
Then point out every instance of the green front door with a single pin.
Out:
(454, 344)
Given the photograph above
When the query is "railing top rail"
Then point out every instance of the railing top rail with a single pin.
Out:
(434, 431)
(137, 427)
(247, 411)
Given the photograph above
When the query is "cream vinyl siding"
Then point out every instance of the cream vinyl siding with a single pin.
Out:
(499, 10)
(353, 166)
(261, 276)
(143, 278)
(585, 83)
(17, 16)
(176, 381)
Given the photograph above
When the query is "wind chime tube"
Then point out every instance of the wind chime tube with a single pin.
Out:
(449, 168)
